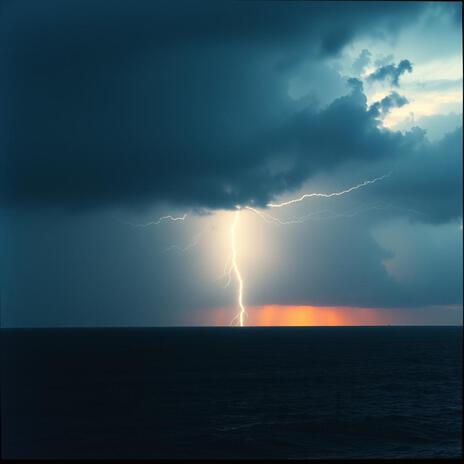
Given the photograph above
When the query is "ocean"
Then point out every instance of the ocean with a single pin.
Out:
(286, 393)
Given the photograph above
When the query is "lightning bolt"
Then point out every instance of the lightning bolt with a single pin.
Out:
(159, 221)
(234, 267)
(328, 195)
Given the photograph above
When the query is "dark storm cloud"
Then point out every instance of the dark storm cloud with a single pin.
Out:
(384, 106)
(425, 176)
(391, 72)
(184, 103)
(429, 179)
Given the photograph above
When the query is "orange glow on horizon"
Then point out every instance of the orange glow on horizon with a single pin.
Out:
(275, 315)
(282, 315)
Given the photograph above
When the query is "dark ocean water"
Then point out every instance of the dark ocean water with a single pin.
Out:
(386, 392)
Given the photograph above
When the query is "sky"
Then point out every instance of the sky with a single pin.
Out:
(116, 114)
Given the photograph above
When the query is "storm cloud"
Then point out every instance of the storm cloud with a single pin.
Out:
(383, 107)
(391, 72)
(175, 103)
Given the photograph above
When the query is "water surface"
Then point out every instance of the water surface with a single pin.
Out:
(367, 392)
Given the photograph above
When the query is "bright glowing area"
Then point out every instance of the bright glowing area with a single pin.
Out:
(234, 266)
(275, 315)
(331, 316)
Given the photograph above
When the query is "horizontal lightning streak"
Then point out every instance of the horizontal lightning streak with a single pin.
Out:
(327, 195)
(159, 221)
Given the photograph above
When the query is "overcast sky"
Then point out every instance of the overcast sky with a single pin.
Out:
(115, 114)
